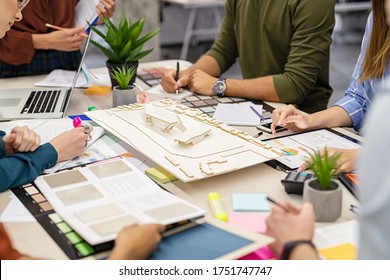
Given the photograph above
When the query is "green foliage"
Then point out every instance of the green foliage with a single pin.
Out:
(125, 44)
(123, 75)
(323, 166)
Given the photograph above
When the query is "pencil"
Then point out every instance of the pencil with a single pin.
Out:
(61, 28)
(277, 203)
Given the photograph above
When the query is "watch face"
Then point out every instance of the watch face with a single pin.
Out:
(219, 87)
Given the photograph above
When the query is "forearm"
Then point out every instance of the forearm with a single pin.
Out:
(331, 117)
(40, 41)
(262, 88)
(207, 64)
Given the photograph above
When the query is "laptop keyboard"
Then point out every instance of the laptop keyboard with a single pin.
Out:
(43, 101)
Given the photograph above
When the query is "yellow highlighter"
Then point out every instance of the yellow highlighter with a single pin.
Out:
(216, 206)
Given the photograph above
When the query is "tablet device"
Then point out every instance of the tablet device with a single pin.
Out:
(350, 180)
(297, 147)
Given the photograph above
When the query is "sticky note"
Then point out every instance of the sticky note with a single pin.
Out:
(98, 90)
(160, 174)
(264, 253)
(346, 251)
(250, 202)
(251, 221)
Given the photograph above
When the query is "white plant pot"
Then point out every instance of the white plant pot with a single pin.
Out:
(125, 96)
(327, 203)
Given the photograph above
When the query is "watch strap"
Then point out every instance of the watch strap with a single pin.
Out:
(289, 247)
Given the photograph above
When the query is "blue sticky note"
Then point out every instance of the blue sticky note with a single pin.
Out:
(250, 202)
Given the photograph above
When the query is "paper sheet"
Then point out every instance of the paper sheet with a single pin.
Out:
(64, 78)
(238, 114)
(85, 11)
(157, 90)
(49, 129)
(16, 212)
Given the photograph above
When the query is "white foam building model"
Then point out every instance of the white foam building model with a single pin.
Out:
(185, 141)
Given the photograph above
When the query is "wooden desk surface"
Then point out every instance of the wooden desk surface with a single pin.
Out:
(31, 238)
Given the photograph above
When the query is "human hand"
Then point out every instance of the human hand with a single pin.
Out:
(136, 242)
(105, 9)
(66, 39)
(169, 83)
(201, 82)
(346, 162)
(291, 118)
(71, 143)
(286, 226)
(21, 139)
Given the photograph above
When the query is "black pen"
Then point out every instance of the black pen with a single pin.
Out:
(277, 203)
(177, 75)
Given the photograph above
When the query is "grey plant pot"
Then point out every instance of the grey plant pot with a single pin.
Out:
(125, 96)
(327, 203)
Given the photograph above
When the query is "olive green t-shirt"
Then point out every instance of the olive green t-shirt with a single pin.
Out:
(288, 39)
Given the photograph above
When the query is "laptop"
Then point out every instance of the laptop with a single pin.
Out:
(38, 103)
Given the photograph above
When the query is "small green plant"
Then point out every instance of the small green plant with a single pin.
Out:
(125, 46)
(323, 166)
(123, 75)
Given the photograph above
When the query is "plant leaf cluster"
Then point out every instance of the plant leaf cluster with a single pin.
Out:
(125, 43)
(123, 75)
(324, 166)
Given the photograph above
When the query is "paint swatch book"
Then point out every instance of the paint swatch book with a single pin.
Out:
(99, 199)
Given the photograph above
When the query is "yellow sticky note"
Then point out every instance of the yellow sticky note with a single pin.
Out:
(346, 251)
(160, 174)
(98, 90)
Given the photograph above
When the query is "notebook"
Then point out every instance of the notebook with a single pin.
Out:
(38, 103)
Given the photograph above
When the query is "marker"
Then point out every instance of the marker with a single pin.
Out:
(177, 74)
(216, 206)
(61, 28)
(257, 113)
(277, 203)
(77, 122)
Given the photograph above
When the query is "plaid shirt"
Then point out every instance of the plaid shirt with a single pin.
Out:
(43, 62)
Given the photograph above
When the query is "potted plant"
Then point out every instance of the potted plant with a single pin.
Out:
(323, 191)
(125, 92)
(124, 44)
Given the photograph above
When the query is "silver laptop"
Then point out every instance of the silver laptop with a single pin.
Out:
(38, 103)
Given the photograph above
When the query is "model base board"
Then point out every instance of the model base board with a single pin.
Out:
(185, 141)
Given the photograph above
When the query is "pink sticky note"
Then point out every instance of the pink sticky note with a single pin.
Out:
(252, 221)
(264, 253)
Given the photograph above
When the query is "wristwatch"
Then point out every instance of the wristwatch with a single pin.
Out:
(289, 247)
(220, 87)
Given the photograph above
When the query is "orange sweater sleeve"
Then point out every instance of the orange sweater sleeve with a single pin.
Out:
(17, 47)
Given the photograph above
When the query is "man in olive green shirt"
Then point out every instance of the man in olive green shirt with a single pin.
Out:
(283, 50)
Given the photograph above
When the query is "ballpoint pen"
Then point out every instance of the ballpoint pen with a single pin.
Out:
(257, 113)
(177, 75)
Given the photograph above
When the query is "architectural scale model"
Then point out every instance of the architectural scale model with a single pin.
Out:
(185, 141)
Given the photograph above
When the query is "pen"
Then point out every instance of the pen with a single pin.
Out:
(61, 28)
(257, 113)
(177, 75)
(277, 203)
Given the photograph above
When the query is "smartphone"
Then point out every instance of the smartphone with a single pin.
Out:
(266, 126)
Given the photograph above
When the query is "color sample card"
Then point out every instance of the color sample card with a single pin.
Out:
(250, 202)
(252, 221)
